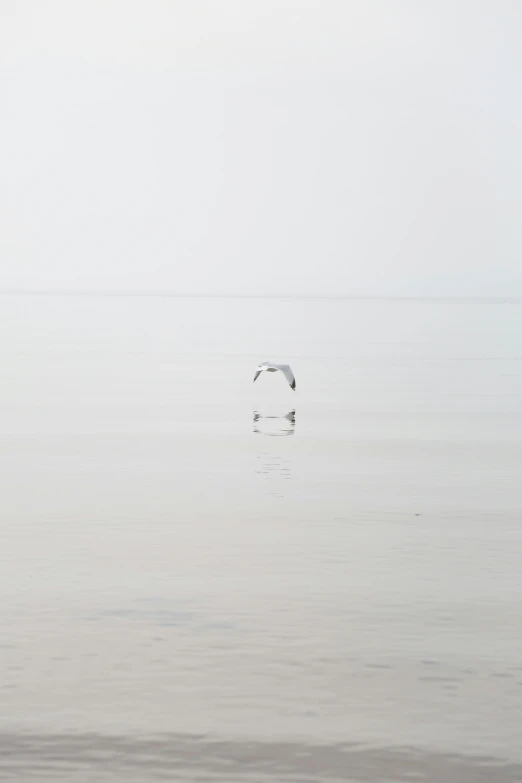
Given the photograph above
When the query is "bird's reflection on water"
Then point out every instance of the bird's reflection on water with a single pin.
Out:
(274, 466)
(274, 426)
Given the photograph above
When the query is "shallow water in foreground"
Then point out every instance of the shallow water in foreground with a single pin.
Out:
(205, 579)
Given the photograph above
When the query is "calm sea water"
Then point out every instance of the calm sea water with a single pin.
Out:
(205, 579)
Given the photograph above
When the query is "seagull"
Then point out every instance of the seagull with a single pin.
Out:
(271, 367)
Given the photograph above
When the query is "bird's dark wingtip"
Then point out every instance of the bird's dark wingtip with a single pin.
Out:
(292, 385)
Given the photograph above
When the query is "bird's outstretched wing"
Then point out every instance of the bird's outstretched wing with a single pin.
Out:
(289, 375)
(256, 376)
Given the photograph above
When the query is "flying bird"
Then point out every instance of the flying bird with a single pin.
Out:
(271, 367)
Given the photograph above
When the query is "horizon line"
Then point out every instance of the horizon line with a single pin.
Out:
(178, 295)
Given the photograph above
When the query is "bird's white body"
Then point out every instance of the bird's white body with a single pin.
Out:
(271, 367)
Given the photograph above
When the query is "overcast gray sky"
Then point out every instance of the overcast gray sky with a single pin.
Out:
(358, 147)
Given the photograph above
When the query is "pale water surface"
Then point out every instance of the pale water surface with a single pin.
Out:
(204, 579)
